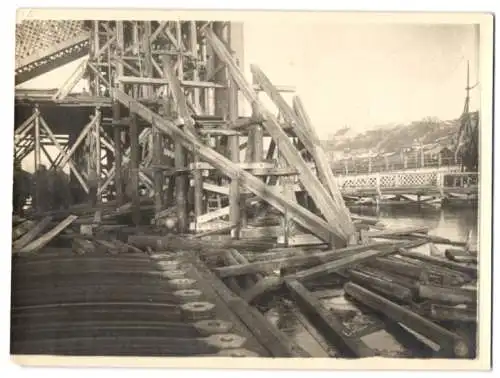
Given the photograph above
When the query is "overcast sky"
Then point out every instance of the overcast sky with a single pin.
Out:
(358, 75)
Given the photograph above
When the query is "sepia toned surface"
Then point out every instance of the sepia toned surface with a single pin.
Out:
(232, 210)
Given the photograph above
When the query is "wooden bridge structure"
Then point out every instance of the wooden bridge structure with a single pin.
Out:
(163, 109)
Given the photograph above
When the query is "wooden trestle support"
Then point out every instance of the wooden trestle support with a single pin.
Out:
(164, 105)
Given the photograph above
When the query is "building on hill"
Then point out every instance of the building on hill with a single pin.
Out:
(425, 143)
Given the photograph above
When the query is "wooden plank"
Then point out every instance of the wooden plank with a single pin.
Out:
(216, 188)
(451, 344)
(134, 169)
(32, 233)
(451, 295)
(218, 231)
(261, 232)
(219, 132)
(469, 270)
(442, 312)
(288, 262)
(328, 321)
(212, 215)
(45, 239)
(344, 262)
(242, 165)
(269, 194)
(22, 228)
(301, 240)
(400, 231)
(382, 286)
(308, 179)
(161, 81)
(262, 286)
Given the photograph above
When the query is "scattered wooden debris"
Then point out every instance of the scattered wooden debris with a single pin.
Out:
(46, 238)
(31, 234)
(451, 344)
(330, 323)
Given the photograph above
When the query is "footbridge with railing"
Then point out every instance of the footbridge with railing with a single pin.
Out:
(424, 183)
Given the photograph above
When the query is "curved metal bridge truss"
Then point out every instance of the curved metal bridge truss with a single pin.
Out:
(44, 45)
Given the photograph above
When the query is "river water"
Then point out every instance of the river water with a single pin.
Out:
(452, 223)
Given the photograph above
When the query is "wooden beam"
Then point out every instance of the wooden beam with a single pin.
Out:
(134, 169)
(451, 344)
(308, 179)
(322, 162)
(297, 261)
(31, 234)
(158, 174)
(269, 194)
(61, 150)
(328, 321)
(180, 152)
(339, 264)
(312, 144)
(46, 238)
(161, 81)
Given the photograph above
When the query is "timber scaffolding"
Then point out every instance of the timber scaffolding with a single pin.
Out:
(170, 90)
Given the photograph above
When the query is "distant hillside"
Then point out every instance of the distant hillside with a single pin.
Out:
(392, 139)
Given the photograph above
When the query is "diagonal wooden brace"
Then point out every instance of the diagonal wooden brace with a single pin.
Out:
(69, 161)
(311, 183)
(269, 194)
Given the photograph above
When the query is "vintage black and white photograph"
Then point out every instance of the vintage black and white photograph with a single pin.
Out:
(271, 185)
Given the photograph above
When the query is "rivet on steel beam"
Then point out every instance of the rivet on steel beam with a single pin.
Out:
(188, 295)
(168, 265)
(162, 256)
(226, 341)
(181, 283)
(173, 274)
(213, 326)
(197, 310)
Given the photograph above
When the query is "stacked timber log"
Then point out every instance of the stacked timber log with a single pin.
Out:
(425, 302)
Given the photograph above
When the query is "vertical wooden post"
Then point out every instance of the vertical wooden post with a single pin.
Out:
(234, 189)
(134, 168)
(180, 187)
(258, 139)
(286, 228)
(158, 173)
(181, 182)
(193, 37)
(117, 128)
(38, 153)
(197, 177)
(98, 151)
(237, 203)
(95, 45)
(38, 156)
